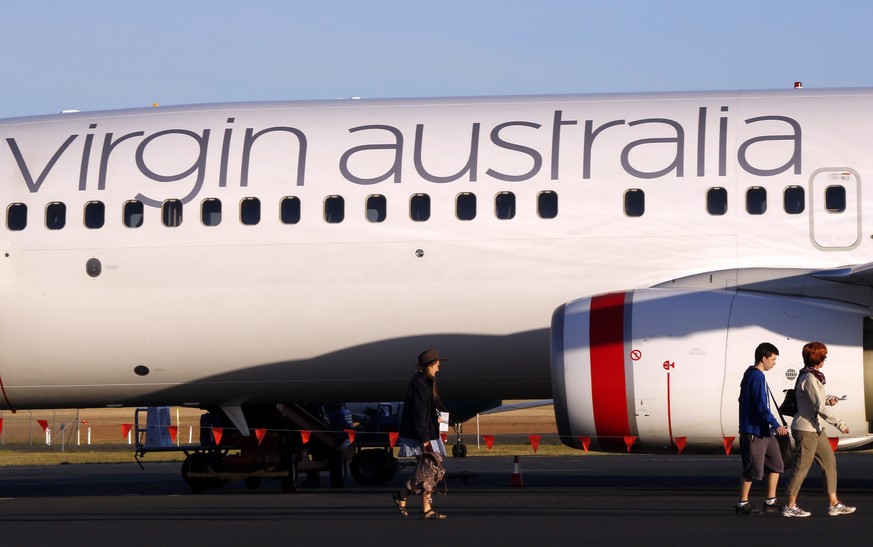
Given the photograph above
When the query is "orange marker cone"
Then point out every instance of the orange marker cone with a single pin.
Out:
(516, 474)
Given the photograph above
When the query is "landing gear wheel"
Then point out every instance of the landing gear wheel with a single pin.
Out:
(459, 450)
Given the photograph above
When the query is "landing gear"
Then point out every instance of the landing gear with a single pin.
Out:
(459, 450)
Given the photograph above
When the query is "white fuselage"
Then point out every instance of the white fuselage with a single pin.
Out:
(271, 311)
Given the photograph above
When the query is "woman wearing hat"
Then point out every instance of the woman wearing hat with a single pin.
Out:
(420, 436)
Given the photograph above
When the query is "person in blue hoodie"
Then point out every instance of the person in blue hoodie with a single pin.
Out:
(758, 427)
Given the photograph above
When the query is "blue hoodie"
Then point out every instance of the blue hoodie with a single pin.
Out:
(755, 416)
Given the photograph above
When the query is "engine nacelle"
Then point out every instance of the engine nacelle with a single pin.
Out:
(660, 369)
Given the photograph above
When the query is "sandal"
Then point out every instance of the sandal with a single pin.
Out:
(401, 505)
(432, 515)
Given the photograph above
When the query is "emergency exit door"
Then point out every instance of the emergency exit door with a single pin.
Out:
(834, 207)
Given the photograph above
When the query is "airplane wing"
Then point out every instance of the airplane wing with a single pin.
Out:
(861, 274)
(851, 283)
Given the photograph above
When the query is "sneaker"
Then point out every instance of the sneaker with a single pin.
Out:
(745, 508)
(795, 511)
(840, 509)
(774, 507)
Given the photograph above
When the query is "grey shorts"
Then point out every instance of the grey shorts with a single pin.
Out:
(760, 455)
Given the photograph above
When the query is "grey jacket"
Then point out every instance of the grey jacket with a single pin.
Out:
(811, 407)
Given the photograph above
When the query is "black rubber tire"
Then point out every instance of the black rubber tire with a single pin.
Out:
(373, 467)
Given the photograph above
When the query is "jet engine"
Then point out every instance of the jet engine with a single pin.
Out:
(659, 369)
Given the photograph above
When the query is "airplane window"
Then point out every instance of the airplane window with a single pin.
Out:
(171, 213)
(95, 213)
(250, 211)
(55, 215)
(16, 216)
(133, 214)
(794, 199)
(634, 202)
(334, 209)
(756, 200)
(716, 201)
(376, 206)
(210, 212)
(504, 205)
(419, 207)
(547, 204)
(835, 199)
(290, 210)
(465, 206)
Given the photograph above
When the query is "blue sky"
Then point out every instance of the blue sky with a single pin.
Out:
(94, 55)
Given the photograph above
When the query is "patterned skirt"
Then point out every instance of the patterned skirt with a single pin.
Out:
(429, 471)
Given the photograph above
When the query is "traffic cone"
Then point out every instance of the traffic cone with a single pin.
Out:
(516, 474)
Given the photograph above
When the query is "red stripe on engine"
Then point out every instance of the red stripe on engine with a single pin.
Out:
(608, 385)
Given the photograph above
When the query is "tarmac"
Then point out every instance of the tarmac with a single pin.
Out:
(586, 499)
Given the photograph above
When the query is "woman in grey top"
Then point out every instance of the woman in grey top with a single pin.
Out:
(814, 408)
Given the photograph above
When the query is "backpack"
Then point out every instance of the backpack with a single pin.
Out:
(789, 405)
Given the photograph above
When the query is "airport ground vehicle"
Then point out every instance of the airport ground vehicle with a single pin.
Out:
(283, 443)
(373, 462)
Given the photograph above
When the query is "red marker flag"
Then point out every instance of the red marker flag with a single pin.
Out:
(392, 438)
(125, 429)
(305, 435)
(217, 432)
(728, 441)
(174, 430)
(351, 434)
(534, 442)
(489, 440)
(835, 442)
(1, 425)
(629, 441)
(680, 443)
(260, 433)
(43, 424)
(586, 442)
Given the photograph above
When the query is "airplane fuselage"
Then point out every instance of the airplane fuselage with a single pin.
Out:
(308, 251)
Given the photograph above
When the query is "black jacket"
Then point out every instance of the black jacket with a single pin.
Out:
(419, 419)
